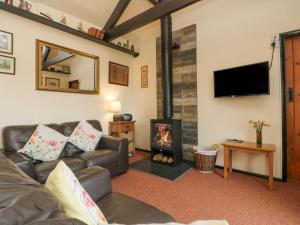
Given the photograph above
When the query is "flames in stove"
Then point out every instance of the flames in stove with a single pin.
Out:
(163, 135)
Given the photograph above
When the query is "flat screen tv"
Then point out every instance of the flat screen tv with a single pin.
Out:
(242, 81)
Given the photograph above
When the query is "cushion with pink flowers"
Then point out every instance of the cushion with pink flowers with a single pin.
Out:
(77, 203)
(85, 137)
(45, 144)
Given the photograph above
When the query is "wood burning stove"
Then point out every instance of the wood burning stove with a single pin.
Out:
(166, 141)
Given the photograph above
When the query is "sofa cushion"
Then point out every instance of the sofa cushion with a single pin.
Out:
(85, 137)
(76, 202)
(45, 144)
(43, 169)
(68, 128)
(116, 207)
(106, 158)
(15, 137)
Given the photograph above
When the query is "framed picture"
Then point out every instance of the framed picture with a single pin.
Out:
(6, 42)
(7, 65)
(118, 74)
(144, 77)
(52, 82)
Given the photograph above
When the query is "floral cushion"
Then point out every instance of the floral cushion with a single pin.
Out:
(85, 137)
(45, 144)
(76, 202)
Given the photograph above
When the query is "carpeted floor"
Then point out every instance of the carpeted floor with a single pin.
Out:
(242, 200)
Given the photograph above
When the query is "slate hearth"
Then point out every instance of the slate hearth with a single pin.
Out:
(164, 171)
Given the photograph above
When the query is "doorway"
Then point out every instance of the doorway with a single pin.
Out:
(290, 49)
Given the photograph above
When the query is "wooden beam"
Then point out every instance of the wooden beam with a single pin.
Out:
(116, 14)
(57, 59)
(153, 2)
(164, 8)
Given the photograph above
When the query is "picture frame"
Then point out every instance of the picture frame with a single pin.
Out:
(52, 82)
(144, 76)
(118, 74)
(6, 42)
(7, 65)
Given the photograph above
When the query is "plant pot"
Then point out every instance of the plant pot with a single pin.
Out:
(258, 137)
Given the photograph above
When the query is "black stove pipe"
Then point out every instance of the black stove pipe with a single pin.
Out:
(167, 66)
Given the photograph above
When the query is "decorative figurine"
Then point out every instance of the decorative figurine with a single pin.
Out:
(80, 27)
(63, 19)
(132, 48)
(10, 2)
(25, 5)
(119, 43)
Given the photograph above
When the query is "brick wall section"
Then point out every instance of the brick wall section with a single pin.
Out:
(184, 86)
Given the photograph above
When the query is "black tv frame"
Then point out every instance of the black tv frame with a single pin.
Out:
(242, 95)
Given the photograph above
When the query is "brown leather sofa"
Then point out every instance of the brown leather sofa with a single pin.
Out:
(25, 201)
(111, 153)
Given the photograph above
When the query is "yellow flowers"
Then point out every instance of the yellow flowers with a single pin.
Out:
(258, 125)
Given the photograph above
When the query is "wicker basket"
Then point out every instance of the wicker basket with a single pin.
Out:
(205, 160)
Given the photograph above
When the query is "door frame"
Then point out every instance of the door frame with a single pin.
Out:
(282, 38)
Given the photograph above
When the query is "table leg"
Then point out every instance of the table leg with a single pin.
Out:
(230, 160)
(270, 156)
(226, 157)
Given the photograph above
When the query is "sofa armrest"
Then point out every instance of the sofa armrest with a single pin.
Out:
(120, 145)
(96, 181)
(22, 162)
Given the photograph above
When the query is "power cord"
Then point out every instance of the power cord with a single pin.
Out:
(273, 45)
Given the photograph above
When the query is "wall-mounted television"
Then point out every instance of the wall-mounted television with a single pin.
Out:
(242, 81)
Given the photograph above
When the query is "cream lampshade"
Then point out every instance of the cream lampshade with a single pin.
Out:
(116, 108)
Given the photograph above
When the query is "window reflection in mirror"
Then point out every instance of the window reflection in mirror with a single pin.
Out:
(66, 70)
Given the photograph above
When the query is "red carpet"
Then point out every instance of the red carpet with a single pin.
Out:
(242, 200)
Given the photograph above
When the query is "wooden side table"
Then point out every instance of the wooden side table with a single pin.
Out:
(248, 147)
(122, 129)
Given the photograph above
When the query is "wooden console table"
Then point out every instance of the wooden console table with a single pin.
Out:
(248, 147)
(121, 129)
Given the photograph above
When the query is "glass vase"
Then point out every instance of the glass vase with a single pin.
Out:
(259, 137)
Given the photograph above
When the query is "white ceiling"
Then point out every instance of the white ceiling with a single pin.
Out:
(96, 11)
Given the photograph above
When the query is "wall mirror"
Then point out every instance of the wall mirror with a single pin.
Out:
(66, 70)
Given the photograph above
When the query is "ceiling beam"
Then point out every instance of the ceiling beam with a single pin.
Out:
(164, 8)
(116, 14)
(153, 2)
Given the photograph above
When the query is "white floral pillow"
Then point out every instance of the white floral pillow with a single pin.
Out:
(85, 137)
(76, 202)
(45, 144)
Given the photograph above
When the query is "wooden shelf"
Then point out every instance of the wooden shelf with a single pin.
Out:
(62, 27)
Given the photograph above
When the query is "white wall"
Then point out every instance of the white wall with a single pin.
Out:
(229, 33)
(22, 104)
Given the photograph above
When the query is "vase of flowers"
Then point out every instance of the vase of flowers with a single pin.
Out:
(258, 125)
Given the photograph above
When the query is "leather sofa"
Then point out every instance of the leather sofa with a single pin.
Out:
(25, 201)
(111, 153)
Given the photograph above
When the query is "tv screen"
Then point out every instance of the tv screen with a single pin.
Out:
(245, 80)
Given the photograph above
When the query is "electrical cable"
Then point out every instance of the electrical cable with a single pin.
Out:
(273, 44)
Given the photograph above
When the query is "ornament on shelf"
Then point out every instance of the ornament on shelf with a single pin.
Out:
(63, 19)
(10, 2)
(80, 27)
(25, 5)
(132, 48)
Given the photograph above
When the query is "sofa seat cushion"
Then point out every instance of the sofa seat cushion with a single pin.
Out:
(106, 158)
(121, 209)
(43, 169)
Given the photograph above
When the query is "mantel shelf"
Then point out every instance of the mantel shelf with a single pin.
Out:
(62, 27)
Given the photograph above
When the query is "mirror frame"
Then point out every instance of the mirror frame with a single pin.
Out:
(40, 44)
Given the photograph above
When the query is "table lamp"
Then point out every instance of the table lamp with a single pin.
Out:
(115, 107)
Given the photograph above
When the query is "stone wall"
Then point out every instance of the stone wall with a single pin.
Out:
(184, 86)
